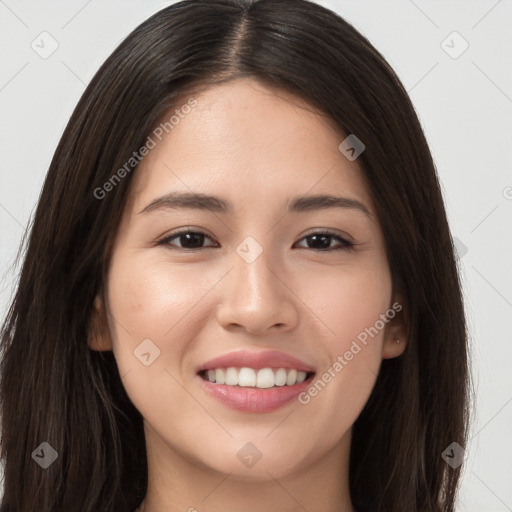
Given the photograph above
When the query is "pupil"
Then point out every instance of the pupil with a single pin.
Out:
(325, 240)
(192, 239)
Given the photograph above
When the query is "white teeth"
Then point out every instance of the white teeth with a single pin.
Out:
(291, 379)
(280, 378)
(219, 376)
(265, 378)
(248, 377)
(231, 377)
(301, 377)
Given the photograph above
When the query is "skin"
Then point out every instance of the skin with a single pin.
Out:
(257, 147)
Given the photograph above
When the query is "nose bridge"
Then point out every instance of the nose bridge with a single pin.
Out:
(255, 277)
(256, 298)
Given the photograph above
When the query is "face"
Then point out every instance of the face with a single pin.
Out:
(278, 284)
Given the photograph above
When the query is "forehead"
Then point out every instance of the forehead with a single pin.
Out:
(254, 144)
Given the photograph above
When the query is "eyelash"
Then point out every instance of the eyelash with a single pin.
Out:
(345, 244)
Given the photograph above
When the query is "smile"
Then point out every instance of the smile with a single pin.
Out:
(255, 382)
(263, 378)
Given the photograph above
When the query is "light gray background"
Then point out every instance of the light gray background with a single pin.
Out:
(464, 104)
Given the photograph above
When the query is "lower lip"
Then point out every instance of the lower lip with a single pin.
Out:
(255, 400)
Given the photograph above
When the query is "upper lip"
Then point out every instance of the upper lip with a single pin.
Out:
(256, 360)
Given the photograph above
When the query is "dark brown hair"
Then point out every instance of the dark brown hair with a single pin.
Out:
(55, 389)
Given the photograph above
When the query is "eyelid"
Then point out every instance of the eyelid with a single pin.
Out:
(183, 230)
(329, 231)
(346, 240)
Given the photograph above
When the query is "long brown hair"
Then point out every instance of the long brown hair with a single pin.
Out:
(54, 389)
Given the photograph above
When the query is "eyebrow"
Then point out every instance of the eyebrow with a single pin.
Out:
(189, 200)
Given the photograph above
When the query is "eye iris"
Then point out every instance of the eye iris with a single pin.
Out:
(194, 238)
(325, 241)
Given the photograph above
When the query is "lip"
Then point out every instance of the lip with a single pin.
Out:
(256, 360)
(254, 400)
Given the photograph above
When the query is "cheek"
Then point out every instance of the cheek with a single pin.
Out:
(350, 305)
(347, 302)
(158, 301)
(157, 311)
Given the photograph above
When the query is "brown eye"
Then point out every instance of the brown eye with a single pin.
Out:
(187, 240)
(321, 241)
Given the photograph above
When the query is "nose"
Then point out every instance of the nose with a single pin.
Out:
(258, 298)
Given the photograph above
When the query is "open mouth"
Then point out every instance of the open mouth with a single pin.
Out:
(264, 378)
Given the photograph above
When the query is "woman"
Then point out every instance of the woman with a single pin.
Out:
(239, 291)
